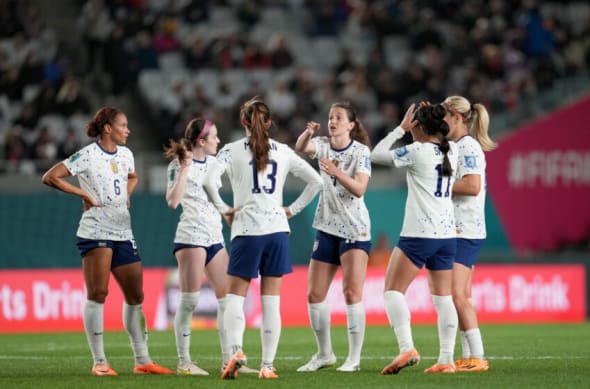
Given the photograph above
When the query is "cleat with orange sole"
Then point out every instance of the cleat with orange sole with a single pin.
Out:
(474, 364)
(440, 368)
(266, 373)
(152, 368)
(233, 366)
(103, 369)
(406, 359)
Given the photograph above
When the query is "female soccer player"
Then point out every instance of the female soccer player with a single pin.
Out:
(468, 125)
(106, 173)
(428, 231)
(198, 244)
(257, 167)
(343, 236)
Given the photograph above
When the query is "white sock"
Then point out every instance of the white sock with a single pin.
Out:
(225, 349)
(319, 317)
(134, 323)
(475, 343)
(94, 328)
(448, 322)
(355, 318)
(398, 314)
(465, 349)
(234, 321)
(182, 325)
(270, 331)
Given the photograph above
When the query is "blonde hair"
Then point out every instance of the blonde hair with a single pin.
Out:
(476, 118)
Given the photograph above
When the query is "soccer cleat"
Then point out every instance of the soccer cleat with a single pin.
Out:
(233, 366)
(349, 366)
(242, 370)
(190, 369)
(316, 363)
(409, 358)
(152, 368)
(461, 362)
(103, 369)
(440, 368)
(474, 364)
(267, 372)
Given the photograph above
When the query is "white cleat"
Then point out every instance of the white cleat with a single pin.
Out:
(190, 369)
(349, 366)
(316, 363)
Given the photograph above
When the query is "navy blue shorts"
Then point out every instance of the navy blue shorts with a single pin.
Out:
(436, 254)
(209, 251)
(124, 251)
(329, 248)
(468, 250)
(268, 255)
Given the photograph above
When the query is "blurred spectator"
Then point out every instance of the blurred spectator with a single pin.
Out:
(96, 25)
(280, 55)
(164, 39)
(70, 99)
(69, 145)
(15, 147)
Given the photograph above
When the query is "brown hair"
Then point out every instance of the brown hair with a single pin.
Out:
(358, 132)
(255, 116)
(195, 130)
(476, 118)
(102, 117)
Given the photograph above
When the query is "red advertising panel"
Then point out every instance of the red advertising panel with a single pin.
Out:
(53, 300)
(539, 180)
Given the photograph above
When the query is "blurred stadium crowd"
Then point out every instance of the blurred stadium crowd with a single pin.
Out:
(186, 58)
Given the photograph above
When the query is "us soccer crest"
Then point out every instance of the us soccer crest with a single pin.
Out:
(114, 167)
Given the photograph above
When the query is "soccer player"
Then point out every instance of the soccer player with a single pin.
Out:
(257, 167)
(107, 177)
(428, 231)
(468, 125)
(343, 236)
(198, 244)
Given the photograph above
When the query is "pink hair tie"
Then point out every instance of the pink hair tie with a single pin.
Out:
(205, 129)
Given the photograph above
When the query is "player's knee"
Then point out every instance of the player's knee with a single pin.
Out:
(98, 295)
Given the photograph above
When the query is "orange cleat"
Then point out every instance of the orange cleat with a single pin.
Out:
(152, 368)
(103, 369)
(233, 366)
(266, 372)
(406, 359)
(439, 368)
(474, 364)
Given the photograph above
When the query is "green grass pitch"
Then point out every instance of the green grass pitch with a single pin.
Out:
(521, 356)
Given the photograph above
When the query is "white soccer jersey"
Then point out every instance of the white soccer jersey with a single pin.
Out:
(104, 176)
(200, 223)
(339, 212)
(259, 195)
(470, 210)
(429, 208)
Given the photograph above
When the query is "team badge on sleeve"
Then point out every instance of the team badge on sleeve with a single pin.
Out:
(470, 161)
(75, 157)
(401, 151)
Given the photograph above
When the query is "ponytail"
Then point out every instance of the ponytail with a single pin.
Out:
(431, 117)
(476, 118)
(255, 116)
(196, 130)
